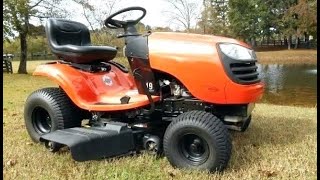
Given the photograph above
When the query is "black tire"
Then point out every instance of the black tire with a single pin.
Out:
(211, 145)
(49, 109)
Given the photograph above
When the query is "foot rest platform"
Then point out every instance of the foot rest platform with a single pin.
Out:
(94, 142)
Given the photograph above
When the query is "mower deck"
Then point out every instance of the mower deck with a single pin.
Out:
(95, 142)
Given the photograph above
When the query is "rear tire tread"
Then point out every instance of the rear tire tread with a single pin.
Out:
(66, 114)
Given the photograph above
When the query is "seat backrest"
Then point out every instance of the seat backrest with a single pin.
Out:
(64, 32)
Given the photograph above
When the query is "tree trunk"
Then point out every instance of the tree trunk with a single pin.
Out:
(285, 41)
(253, 42)
(23, 54)
(23, 45)
(297, 42)
(289, 42)
(306, 38)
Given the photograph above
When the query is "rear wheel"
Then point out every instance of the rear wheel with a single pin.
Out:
(197, 140)
(49, 109)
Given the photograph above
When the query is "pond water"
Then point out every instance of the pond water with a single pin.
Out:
(289, 84)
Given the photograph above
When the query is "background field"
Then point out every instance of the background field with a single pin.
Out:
(288, 57)
(279, 144)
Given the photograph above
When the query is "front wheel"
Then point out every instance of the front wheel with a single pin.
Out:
(47, 110)
(197, 140)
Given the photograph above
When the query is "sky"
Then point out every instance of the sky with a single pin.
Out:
(154, 8)
(155, 16)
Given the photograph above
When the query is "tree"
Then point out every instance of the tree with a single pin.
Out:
(162, 29)
(286, 23)
(293, 18)
(11, 47)
(302, 19)
(37, 30)
(214, 18)
(37, 44)
(184, 11)
(244, 17)
(95, 12)
(17, 14)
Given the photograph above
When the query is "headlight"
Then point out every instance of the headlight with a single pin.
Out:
(237, 52)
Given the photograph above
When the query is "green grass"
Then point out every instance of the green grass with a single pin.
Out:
(279, 144)
(288, 57)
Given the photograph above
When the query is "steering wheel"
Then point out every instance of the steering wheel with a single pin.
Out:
(115, 24)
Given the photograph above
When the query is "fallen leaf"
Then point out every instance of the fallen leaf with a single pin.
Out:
(11, 162)
(267, 173)
(171, 174)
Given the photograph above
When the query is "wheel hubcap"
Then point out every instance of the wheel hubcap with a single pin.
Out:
(194, 148)
(41, 120)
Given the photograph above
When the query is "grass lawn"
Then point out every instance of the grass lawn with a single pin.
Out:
(279, 144)
(288, 57)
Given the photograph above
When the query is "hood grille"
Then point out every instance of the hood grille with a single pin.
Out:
(245, 72)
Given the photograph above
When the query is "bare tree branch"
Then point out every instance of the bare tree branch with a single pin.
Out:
(184, 12)
(36, 4)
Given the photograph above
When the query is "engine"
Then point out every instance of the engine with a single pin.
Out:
(176, 90)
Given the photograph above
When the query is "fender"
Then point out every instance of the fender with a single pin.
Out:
(100, 91)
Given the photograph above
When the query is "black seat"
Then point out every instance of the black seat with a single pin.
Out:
(71, 42)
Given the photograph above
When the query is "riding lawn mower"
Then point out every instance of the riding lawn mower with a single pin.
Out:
(180, 97)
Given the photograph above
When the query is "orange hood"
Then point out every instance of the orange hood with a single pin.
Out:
(193, 59)
(186, 43)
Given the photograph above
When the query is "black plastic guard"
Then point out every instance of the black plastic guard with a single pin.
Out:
(94, 142)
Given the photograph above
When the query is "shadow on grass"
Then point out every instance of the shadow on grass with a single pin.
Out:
(264, 135)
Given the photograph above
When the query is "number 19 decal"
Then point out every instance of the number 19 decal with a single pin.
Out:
(149, 85)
